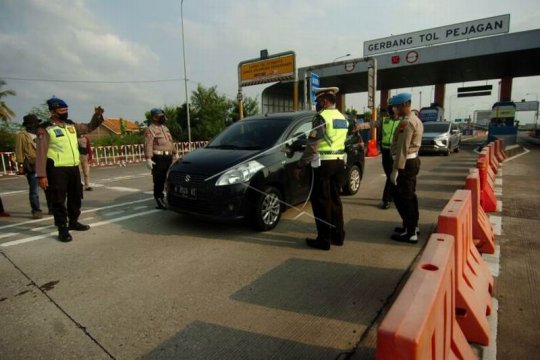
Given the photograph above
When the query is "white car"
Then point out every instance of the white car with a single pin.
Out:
(441, 137)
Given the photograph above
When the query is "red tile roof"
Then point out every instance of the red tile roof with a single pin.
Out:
(113, 124)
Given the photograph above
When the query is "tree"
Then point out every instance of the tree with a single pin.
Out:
(41, 111)
(6, 113)
(210, 112)
(251, 107)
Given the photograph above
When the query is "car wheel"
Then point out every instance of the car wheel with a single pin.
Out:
(267, 209)
(457, 148)
(354, 177)
(447, 152)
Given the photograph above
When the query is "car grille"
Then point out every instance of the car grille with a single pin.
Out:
(203, 202)
(428, 142)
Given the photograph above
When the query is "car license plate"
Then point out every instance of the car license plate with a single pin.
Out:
(186, 192)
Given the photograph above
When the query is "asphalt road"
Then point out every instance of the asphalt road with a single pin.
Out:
(151, 284)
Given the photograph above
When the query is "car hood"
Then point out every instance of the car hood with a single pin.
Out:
(432, 135)
(212, 161)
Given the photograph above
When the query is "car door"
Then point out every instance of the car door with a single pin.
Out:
(298, 189)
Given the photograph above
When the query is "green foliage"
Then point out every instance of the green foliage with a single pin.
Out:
(251, 107)
(6, 113)
(209, 114)
(7, 135)
(41, 111)
(117, 140)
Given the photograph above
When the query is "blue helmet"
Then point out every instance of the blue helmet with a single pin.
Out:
(156, 111)
(56, 103)
(390, 101)
(400, 99)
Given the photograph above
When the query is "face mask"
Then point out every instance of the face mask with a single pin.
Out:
(63, 117)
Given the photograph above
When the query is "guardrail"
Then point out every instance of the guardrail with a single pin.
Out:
(114, 155)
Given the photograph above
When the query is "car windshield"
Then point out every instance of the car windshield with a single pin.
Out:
(435, 127)
(250, 134)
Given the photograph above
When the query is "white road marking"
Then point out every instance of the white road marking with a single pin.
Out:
(7, 193)
(94, 225)
(490, 352)
(518, 155)
(42, 228)
(111, 213)
(268, 240)
(498, 181)
(499, 205)
(493, 261)
(83, 212)
(7, 235)
(124, 189)
(496, 222)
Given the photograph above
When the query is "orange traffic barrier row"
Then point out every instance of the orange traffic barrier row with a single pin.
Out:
(499, 150)
(494, 161)
(473, 281)
(483, 235)
(421, 324)
(488, 201)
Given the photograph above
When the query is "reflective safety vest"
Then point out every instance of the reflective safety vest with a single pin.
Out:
(332, 145)
(63, 145)
(389, 126)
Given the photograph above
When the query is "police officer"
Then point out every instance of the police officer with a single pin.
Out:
(325, 151)
(159, 151)
(388, 125)
(25, 152)
(57, 165)
(405, 146)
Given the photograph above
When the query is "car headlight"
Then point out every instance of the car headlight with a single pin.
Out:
(240, 173)
(441, 140)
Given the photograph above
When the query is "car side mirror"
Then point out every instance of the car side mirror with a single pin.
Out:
(455, 131)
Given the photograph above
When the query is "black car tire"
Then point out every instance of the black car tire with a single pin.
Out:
(267, 209)
(354, 178)
(447, 152)
(456, 150)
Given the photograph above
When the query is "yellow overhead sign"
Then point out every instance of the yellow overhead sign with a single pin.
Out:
(268, 70)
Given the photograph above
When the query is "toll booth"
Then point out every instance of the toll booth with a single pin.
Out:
(431, 113)
(502, 123)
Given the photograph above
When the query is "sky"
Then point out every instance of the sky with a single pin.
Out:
(127, 55)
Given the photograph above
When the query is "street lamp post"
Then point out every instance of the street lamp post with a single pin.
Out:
(185, 74)
(341, 57)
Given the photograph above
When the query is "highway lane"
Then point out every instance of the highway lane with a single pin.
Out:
(151, 284)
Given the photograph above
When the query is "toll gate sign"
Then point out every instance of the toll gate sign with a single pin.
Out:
(275, 68)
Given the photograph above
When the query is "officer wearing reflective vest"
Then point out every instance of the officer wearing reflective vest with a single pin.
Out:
(405, 146)
(57, 165)
(388, 125)
(325, 152)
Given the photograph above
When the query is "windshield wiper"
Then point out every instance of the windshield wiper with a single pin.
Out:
(224, 146)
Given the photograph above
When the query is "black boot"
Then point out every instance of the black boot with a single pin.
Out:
(161, 204)
(318, 244)
(63, 234)
(77, 226)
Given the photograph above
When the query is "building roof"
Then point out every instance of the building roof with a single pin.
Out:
(113, 124)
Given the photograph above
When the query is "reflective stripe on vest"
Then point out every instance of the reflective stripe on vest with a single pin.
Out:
(336, 131)
(63, 145)
(389, 126)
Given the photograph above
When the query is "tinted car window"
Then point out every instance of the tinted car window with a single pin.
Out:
(435, 127)
(249, 134)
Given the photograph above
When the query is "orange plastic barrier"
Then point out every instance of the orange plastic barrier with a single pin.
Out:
(488, 201)
(502, 148)
(474, 283)
(484, 238)
(421, 324)
(498, 151)
(493, 158)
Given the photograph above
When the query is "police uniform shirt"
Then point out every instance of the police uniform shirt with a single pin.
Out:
(407, 139)
(42, 142)
(157, 138)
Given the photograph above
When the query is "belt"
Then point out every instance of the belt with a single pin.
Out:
(337, 152)
(159, 152)
(409, 156)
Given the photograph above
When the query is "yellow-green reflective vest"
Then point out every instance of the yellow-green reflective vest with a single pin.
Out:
(63, 145)
(332, 145)
(389, 126)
